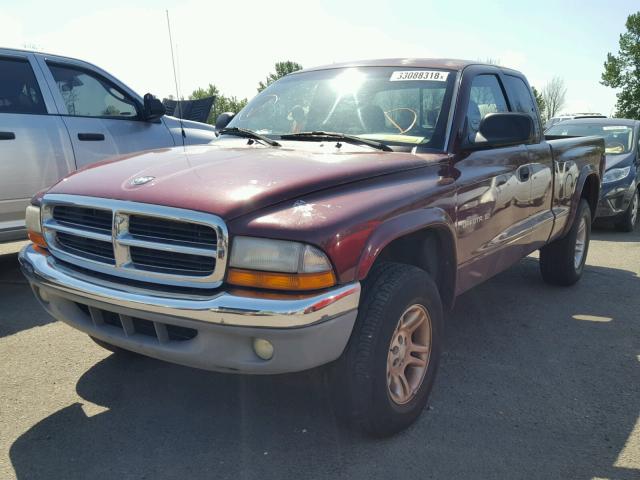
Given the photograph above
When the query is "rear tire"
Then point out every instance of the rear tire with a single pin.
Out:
(629, 218)
(562, 261)
(369, 393)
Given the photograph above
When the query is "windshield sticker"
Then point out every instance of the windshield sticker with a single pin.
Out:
(406, 75)
(621, 127)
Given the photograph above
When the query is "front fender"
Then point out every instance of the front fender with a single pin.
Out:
(399, 226)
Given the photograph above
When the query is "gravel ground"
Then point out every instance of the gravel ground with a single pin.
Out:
(535, 382)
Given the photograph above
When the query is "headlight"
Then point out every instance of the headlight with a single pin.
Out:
(278, 265)
(615, 174)
(34, 226)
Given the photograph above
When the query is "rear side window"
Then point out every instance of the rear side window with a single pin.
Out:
(522, 99)
(89, 95)
(19, 91)
(486, 97)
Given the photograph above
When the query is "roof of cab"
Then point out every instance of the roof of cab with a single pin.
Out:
(440, 63)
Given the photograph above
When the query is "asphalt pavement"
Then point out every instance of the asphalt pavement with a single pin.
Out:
(535, 382)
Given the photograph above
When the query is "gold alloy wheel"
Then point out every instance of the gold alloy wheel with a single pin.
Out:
(409, 354)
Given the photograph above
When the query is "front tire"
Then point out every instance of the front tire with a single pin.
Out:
(383, 380)
(629, 218)
(562, 261)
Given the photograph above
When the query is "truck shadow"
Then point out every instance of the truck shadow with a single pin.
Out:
(19, 310)
(535, 382)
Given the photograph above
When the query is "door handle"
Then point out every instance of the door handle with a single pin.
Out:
(7, 136)
(91, 137)
(524, 173)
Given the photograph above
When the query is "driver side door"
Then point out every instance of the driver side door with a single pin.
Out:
(493, 191)
(102, 119)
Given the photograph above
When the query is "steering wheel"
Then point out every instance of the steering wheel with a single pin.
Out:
(395, 124)
(614, 147)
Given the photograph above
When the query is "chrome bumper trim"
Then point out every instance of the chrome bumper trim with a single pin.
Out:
(224, 308)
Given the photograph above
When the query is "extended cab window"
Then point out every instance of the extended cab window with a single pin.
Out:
(87, 95)
(486, 97)
(522, 99)
(19, 91)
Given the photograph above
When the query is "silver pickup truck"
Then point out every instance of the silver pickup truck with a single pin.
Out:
(58, 114)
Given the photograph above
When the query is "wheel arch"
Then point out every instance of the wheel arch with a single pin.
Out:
(587, 187)
(423, 238)
(590, 191)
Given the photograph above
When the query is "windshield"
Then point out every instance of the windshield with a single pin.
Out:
(393, 105)
(618, 139)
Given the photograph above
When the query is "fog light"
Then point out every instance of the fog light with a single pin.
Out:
(263, 348)
(42, 295)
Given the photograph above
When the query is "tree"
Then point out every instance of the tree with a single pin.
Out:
(623, 70)
(540, 101)
(282, 69)
(553, 95)
(221, 104)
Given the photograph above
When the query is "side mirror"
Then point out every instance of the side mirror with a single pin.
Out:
(503, 130)
(223, 120)
(153, 108)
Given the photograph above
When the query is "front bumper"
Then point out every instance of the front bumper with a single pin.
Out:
(305, 330)
(615, 200)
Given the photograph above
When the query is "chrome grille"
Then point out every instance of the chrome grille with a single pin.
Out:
(156, 260)
(84, 217)
(96, 249)
(155, 229)
(136, 241)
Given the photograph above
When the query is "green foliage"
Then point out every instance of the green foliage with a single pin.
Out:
(221, 104)
(542, 107)
(623, 70)
(282, 69)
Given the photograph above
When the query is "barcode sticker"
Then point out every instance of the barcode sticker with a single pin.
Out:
(407, 75)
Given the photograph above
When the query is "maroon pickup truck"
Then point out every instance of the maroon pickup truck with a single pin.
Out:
(332, 222)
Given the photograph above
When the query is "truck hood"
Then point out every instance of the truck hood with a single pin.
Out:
(231, 181)
(173, 122)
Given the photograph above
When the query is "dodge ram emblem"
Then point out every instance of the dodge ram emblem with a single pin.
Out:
(141, 180)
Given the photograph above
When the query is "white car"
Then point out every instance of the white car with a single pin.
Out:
(571, 116)
(58, 114)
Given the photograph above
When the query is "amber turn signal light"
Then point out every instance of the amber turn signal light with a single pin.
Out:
(37, 239)
(281, 281)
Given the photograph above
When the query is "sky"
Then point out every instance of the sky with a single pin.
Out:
(235, 44)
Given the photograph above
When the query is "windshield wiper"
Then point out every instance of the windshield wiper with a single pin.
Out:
(336, 136)
(246, 133)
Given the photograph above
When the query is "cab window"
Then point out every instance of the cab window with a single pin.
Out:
(522, 100)
(19, 91)
(485, 97)
(88, 95)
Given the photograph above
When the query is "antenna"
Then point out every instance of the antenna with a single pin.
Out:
(175, 79)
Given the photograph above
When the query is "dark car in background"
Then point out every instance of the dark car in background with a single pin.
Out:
(619, 197)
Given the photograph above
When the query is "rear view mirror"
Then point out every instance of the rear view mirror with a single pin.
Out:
(223, 120)
(503, 130)
(153, 108)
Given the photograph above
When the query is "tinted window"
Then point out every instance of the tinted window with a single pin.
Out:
(522, 99)
(88, 95)
(19, 91)
(485, 97)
